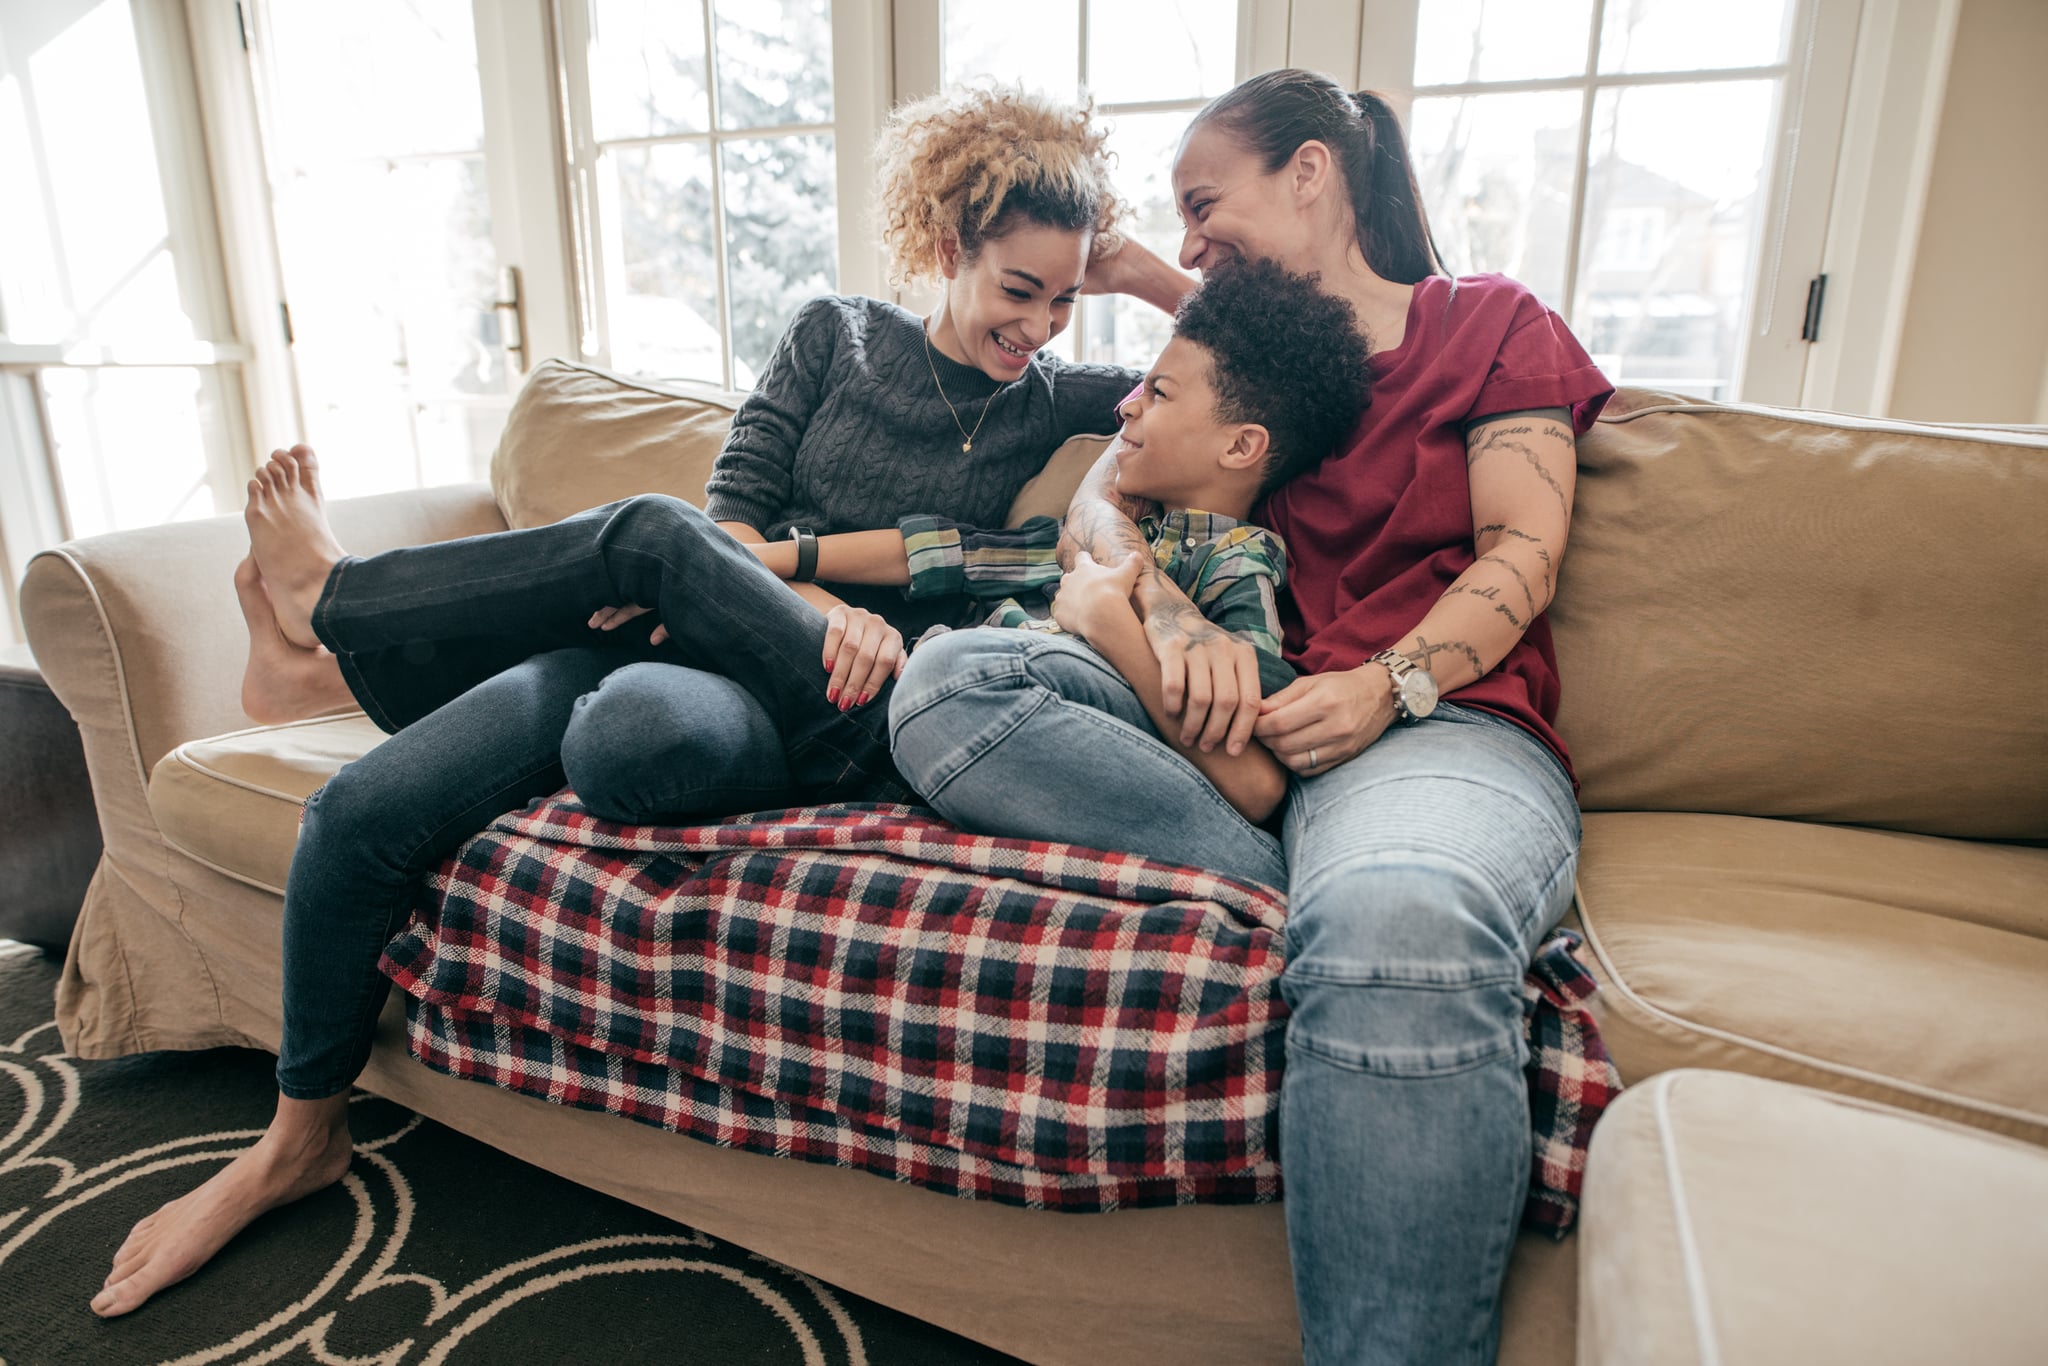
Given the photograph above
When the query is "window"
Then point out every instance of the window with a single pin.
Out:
(710, 206)
(120, 398)
(378, 187)
(1630, 161)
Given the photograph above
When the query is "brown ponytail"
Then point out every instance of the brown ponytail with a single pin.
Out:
(1274, 113)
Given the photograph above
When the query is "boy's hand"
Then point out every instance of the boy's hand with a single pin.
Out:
(1089, 591)
(862, 653)
(611, 618)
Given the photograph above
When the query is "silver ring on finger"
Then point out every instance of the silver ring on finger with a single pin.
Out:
(1312, 764)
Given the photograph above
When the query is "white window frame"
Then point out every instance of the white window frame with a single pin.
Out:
(1771, 367)
(861, 92)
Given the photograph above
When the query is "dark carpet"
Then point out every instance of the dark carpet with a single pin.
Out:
(434, 1249)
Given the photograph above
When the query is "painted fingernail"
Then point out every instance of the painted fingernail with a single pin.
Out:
(831, 694)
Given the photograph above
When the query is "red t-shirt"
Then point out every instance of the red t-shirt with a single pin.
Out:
(1378, 532)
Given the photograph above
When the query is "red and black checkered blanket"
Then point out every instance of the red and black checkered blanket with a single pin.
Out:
(1034, 1024)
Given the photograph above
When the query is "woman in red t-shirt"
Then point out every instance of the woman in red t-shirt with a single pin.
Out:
(1430, 844)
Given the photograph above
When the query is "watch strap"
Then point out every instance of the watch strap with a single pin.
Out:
(1398, 667)
(806, 553)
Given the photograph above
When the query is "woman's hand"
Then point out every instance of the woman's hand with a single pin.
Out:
(862, 652)
(1089, 591)
(1316, 723)
(611, 618)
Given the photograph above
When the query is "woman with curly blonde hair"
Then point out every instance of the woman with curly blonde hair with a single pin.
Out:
(487, 659)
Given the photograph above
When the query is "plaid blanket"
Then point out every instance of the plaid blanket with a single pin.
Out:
(1029, 1023)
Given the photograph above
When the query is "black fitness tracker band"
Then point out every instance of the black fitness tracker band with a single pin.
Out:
(806, 553)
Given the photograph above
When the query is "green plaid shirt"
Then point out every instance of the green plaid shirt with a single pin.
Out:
(1228, 568)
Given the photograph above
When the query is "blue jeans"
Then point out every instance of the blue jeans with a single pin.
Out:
(475, 655)
(1036, 736)
(1425, 871)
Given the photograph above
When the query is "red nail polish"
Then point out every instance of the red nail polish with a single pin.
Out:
(863, 699)
(832, 695)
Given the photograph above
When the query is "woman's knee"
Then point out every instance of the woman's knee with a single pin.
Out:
(1405, 965)
(654, 738)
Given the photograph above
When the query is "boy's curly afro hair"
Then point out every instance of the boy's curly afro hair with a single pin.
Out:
(972, 162)
(1283, 354)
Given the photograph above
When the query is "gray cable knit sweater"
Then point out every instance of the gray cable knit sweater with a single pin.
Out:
(846, 431)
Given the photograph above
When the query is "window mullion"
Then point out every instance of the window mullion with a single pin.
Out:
(1581, 167)
(719, 254)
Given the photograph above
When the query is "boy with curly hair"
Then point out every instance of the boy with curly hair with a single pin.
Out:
(1263, 376)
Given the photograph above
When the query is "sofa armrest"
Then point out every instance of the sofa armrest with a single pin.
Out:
(139, 635)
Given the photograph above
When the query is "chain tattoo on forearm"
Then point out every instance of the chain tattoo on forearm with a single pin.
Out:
(1426, 650)
(1549, 568)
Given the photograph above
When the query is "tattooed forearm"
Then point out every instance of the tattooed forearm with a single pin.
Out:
(1101, 531)
(1535, 543)
(1427, 650)
(1172, 617)
(1491, 594)
(1509, 566)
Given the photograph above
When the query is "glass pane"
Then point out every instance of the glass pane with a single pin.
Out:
(390, 272)
(980, 42)
(660, 270)
(1457, 41)
(374, 78)
(1496, 177)
(1166, 50)
(1672, 214)
(782, 239)
(87, 249)
(774, 62)
(647, 68)
(1121, 329)
(384, 234)
(1684, 35)
(102, 419)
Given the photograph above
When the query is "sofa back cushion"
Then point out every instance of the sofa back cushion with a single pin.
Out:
(579, 437)
(1776, 613)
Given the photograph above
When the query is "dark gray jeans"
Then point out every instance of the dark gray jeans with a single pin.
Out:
(475, 655)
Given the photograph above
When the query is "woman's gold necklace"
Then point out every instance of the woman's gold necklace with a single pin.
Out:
(966, 437)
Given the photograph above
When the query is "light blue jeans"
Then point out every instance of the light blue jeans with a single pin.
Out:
(1035, 736)
(1425, 871)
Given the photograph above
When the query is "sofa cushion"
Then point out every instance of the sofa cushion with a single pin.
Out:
(579, 437)
(1732, 1219)
(1777, 613)
(1900, 967)
(233, 802)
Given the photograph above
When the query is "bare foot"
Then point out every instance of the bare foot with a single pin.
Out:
(305, 1149)
(282, 682)
(291, 540)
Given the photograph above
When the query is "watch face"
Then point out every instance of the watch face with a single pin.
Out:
(1418, 693)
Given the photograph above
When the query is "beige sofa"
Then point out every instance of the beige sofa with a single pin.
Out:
(1804, 662)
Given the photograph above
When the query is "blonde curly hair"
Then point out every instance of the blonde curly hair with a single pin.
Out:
(961, 163)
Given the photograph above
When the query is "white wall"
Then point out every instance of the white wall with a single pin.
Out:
(1974, 346)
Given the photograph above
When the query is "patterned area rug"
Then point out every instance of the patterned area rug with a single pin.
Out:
(435, 1248)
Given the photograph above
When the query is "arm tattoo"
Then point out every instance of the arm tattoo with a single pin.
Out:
(1174, 617)
(1491, 593)
(1509, 566)
(1425, 651)
(1503, 439)
(1101, 531)
(1549, 568)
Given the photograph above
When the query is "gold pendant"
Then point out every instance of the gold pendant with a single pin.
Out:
(967, 445)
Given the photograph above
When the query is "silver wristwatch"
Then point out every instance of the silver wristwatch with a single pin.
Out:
(1414, 689)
